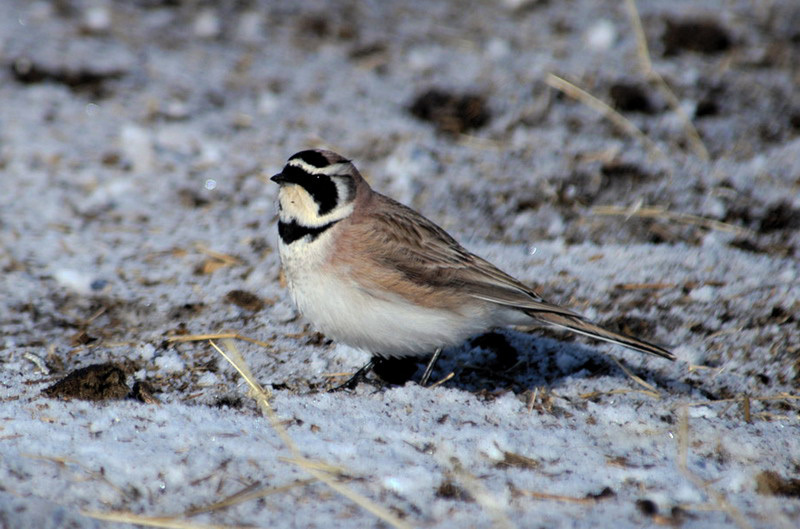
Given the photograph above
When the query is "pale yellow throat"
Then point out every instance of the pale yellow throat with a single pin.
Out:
(298, 205)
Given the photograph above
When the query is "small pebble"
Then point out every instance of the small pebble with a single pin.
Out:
(207, 25)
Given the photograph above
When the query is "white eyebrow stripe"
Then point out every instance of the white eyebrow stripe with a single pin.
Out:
(310, 169)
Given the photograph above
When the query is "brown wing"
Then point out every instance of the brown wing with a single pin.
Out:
(427, 256)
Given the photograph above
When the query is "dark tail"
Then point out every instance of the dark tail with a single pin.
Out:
(581, 326)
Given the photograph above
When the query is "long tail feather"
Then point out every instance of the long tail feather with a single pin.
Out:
(585, 327)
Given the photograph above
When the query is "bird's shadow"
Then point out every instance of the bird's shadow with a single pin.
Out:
(509, 360)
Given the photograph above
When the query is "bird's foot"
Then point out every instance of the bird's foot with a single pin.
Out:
(357, 377)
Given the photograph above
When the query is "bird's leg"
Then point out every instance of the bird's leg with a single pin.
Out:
(359, 375)
(429, 368)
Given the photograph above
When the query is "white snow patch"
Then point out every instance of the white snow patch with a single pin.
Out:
(704, 412)
(250, 28)
(97, 18)
(145, 351)
(207, 379)
(601, 35)
(137, 146)
(74, 280)
(207, 24)
(705, 294)
(170, 362)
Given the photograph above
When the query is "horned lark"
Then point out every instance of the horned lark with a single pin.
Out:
(372, 273)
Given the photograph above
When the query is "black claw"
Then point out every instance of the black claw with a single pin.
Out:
(359, 376)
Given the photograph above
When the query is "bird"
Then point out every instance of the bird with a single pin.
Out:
(372, 273)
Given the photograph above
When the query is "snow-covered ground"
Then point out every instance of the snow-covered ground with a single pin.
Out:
(134, 142)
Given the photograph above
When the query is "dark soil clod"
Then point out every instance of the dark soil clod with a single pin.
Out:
(771, 483)
(647, 507)
(781, 216)
(94, 382)
(449, 490)
(82, 81)
(450, 112)
(697, 35)
(630, 98)
(244, 299)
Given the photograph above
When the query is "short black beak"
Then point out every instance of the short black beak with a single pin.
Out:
(279, 178)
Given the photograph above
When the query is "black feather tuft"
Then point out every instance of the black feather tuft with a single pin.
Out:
(312, 158)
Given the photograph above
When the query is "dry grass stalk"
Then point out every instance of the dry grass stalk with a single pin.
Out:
(532, 400)
(476, 142)
(780, 396)
(745, 404)
(442, 381)
(219, 256)
(646, 286)
(746, 409)
(543, 400)
(683, 456)
(612, 115)
(62, 461)
(658, 212)
(723, 332)
(217, 336)
(651, 389)
(316, 465)
(556, 497)
(643, 52)
(769, 416)
(36, 361)
(696, 367)
(246, 495)
(480, 494)
(595, 394)
(312, 467)
(99, 312)
(166, 522)
(338, 374)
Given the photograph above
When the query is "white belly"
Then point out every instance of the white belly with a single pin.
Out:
(380, 323)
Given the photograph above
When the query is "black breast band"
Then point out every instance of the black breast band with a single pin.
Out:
(292, 231)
